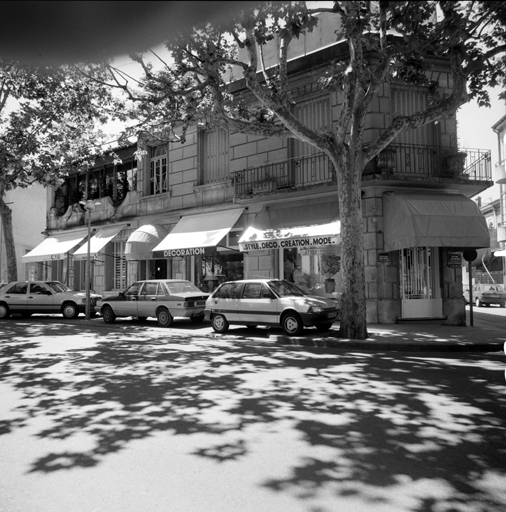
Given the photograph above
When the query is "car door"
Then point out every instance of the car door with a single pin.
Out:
(126, 303)
(226, 301)
(258, 305)
(16, 297)
(40, 299)
(146, 305)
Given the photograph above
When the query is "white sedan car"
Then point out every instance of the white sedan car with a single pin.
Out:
(163, 299)
(28, 297)
(270, 302)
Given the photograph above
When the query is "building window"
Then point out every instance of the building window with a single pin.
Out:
(159, 171)
(316, 114)
(120, 265)
(213, 155)
(405, 102)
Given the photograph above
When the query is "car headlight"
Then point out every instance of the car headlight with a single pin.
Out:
(315, 309)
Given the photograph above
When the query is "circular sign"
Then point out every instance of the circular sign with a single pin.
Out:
(470, 254)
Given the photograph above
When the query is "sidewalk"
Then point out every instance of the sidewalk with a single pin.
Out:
(410, 337)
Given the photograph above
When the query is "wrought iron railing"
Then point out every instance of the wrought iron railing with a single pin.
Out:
(433, 161)
(294, 173)
(397, 159)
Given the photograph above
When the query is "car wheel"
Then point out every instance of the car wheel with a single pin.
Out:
(292, 324)
(197, 319)
(108, 315)
(477, 302)
(220, 324)
(324, 327)
(5, 312)
(70, 310)
(164, 317)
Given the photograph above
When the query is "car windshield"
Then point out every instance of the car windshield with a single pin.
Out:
(286, 289)
(58, 287)
(182, 287)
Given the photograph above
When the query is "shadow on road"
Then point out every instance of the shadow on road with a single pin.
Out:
(371, 424)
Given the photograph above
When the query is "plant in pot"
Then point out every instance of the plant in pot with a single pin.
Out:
(330, 264)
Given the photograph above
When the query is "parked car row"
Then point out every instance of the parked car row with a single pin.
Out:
(250, 302)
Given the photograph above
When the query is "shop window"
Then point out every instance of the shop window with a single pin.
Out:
(310, 269)
(159, 177)
(213, 150)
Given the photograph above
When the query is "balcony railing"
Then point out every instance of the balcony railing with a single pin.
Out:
(433, 162)
(401, 160)
(294, 173)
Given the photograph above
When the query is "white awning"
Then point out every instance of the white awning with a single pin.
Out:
(55, 247)
(500, 253)
(143, 240)
(432, 220)
(194, 233)
(97, 242)
(306, 224)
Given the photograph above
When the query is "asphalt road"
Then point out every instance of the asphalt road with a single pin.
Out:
(137, 418)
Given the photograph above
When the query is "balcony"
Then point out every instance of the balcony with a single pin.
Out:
(401, 162)
(432, 162)
(285, 176)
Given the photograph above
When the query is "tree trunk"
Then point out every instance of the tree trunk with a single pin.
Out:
(10, 250)
(353, 323)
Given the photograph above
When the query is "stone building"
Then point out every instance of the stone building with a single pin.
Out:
(223, 206)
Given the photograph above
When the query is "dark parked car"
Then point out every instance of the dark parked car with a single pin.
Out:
(164, 299)
(270, 302)
(28, 297)
(486, 294)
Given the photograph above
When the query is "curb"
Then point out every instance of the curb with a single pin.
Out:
(383, 347)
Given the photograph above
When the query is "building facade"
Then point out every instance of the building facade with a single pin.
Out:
(224, 206)
(500, 178)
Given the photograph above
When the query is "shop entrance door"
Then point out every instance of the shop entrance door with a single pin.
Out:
(420, 291)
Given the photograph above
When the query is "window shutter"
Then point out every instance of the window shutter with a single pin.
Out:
(315, 114)
(120, 267)
(214, 155)
(407, 101)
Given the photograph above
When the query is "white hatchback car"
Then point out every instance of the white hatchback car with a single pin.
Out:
(270, 302)
(160, 298)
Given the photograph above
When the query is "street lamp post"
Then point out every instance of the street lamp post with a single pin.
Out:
(89, 206)
(88, 265)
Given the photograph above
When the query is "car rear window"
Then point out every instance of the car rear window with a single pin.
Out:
(182, 287)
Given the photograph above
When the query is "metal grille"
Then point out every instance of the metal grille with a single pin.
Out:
(120, 265)
(418, 278)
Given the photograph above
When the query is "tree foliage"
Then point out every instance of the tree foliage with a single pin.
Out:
(381, 41)
(49, 121)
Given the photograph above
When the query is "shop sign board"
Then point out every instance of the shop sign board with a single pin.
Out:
(302, 242)
(383, 257)
(454, 259)
(170, 253)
